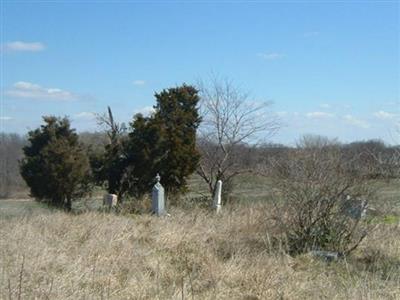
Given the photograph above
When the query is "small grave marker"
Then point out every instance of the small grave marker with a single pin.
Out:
(158, 200)
(355, 208)
(110, 200)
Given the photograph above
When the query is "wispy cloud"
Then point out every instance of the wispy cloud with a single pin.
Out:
(146, 111)
(391, 103)
(356, 122)
(310, 34)
(28, 90)
(282, 113)
(85, 115)
(325, 105)
(270, 56)
(384, 115)
(18, 46)
(5, 118)
(319, 115)
(139, 82)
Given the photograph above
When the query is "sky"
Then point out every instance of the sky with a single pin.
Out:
(330, 68)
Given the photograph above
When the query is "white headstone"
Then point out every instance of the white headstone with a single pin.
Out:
(158, 201)
(217, 196)
(110, 200)
(355, 208)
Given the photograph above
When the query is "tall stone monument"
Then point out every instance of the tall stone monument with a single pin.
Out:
(157, 196)
(217, 197)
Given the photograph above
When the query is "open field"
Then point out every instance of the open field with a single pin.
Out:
(193, 254)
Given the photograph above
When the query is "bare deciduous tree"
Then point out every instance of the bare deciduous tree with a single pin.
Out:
(113, 129)
(109, 167)
(230, 119)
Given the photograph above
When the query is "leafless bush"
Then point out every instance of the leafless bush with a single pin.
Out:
(318, 198)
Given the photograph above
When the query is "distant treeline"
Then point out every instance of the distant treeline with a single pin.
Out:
(10, 153)
(371, 159)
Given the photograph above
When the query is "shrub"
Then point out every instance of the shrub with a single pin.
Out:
(315, 192)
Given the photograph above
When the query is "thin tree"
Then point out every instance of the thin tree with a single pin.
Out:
(230, 118)
(109, 166)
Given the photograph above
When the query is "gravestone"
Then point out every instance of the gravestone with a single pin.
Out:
(355, 208)
(157, 197)
(110, 200)
(217, 196)
(327, 255)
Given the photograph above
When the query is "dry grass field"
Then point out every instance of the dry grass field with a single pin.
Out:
(192, 254)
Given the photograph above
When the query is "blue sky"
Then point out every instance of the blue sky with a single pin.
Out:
(330, 68)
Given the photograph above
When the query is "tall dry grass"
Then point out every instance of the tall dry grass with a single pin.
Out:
(189, 255)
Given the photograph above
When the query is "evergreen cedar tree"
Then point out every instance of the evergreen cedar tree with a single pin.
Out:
(165, 142)
(55, 167)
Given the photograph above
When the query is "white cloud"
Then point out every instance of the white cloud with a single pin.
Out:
(28, 90)
(282, 113)
(391, 103)
(384, 115)
(5, 118)
(139, 82)
(24, 46)
(271, 56)
(310, 34)
(319, 115)
(325, 105)
(356, 122)
(85, 115)
(145, 111)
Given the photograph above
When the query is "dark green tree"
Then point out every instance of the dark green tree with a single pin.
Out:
(55, 165)
(144, 153)
(165, 142)
(177, 118)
